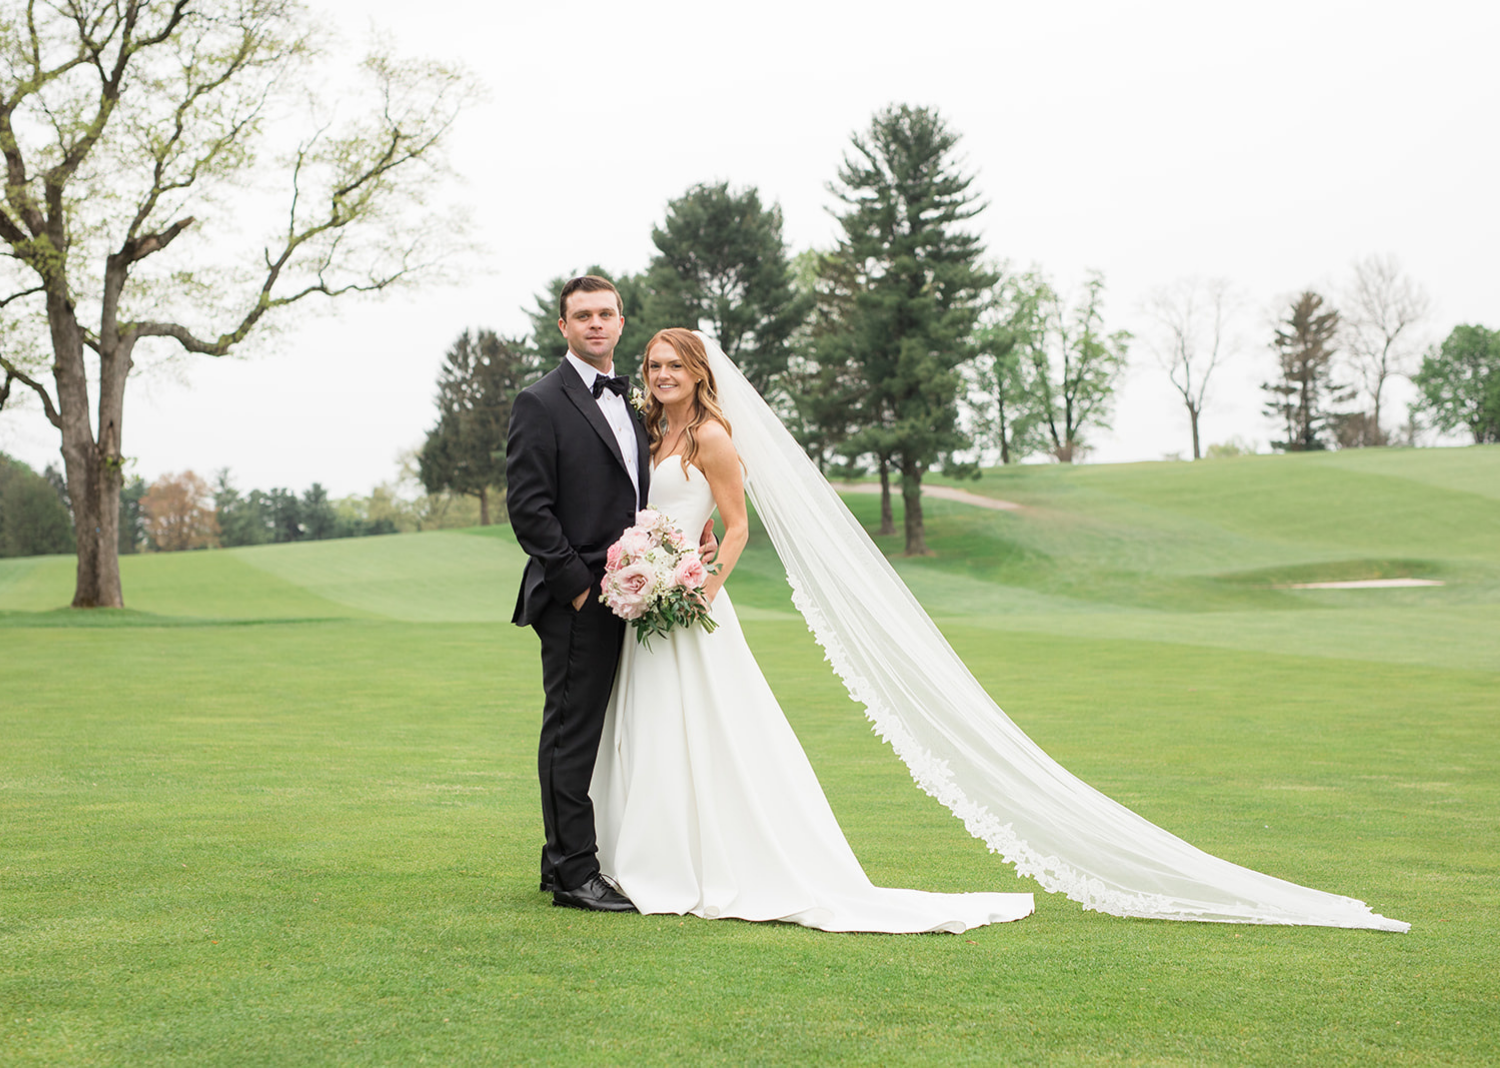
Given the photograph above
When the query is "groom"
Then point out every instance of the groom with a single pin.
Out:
(577, 468)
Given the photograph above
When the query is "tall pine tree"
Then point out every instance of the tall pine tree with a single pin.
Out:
(1304, 397)
(917, 284)
(465, 452)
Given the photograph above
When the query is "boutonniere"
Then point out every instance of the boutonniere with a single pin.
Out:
(638, 400)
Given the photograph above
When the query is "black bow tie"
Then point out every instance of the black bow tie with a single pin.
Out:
(619, 385)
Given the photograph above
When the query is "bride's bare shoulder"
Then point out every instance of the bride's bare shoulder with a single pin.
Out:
(716, 451)
(713, 434)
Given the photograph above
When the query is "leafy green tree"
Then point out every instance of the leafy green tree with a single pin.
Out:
(125, 124)
(915, 287)
(640, 323)
(34, 521)
(1071, 364)
(1002, 395)
(1305, 397)
(465, 452)
(1460, 383)
(722, 267)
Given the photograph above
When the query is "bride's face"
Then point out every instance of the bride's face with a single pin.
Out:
(667, 375)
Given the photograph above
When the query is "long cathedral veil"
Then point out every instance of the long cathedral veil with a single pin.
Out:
(960, 747)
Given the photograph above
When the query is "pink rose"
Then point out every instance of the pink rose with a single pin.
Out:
(628, 591)
(635, 542)
(647, 518)
(613, 558)
(690, 573)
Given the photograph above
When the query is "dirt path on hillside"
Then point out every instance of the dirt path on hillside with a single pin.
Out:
(947, 493)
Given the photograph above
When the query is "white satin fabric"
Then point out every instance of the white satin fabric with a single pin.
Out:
(704, 801)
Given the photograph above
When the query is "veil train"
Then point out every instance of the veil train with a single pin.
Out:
(959, 746)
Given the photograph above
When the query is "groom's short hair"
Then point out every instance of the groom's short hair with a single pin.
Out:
(587, 283)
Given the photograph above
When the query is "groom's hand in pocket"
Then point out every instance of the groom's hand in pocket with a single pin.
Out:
(708, 545)
(578, 601)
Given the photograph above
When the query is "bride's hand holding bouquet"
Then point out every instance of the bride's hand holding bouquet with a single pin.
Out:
(654, 580)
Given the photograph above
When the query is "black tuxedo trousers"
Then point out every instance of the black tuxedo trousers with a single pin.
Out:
(570, 497)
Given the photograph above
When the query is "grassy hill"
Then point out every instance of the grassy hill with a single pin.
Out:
(282, 809)
(1184, 552)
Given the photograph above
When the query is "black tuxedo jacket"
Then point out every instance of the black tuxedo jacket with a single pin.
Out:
(568, 491)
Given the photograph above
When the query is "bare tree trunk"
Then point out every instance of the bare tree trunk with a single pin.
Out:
(911, 497)
(93, 467)
(1004, 429)
(887, 519)
(484, 506)
(1193, 418)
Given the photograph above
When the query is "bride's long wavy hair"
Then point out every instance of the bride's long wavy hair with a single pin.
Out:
(690, 350)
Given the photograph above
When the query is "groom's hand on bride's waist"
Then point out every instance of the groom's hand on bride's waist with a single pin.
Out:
(708, 545)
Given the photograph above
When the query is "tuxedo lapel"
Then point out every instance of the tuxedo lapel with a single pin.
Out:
(583, 400)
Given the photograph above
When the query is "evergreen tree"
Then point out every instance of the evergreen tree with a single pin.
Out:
(465, 452)
(1304, 397)
(285, 511)
(640, 322)
(916, 285)
(1460, 383)
(722, 267)
(132, 518)
(243, 520)
(320, 520)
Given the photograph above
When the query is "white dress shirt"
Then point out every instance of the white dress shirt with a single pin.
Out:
(617, 413)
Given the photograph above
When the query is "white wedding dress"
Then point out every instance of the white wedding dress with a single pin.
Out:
(704, 801)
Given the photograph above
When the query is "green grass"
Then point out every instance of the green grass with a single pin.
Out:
(282, 811)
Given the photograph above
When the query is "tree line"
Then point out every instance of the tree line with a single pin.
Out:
(905, 349)
(897, 352)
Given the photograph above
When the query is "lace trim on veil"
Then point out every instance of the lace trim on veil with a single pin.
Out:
(934, 777)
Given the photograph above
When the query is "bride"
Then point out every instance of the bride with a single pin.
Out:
(704, 800)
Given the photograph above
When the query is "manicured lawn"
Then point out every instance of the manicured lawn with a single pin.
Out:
(283, 811)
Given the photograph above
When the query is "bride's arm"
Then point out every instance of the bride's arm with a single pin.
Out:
(718, 460)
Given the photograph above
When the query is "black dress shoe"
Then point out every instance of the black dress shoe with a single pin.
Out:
(596, 895)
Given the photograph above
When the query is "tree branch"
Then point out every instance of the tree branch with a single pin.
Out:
(23, 293)
(138, 248)
(15, 374)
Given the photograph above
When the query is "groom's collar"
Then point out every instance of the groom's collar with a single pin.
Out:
(587, 371)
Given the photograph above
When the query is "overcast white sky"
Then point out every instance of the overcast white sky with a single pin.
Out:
(1271, 143)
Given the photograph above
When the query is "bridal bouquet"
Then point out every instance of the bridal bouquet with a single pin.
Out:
(652, 578)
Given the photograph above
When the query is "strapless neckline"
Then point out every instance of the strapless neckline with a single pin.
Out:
(675, 456)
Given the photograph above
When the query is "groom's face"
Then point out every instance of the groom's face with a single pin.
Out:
(592, 326)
